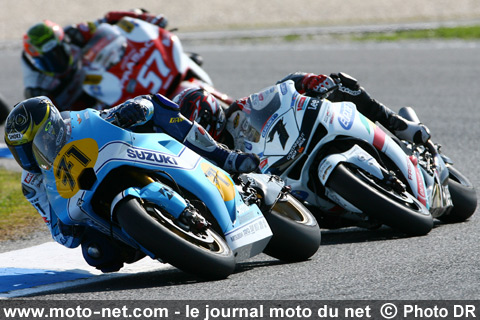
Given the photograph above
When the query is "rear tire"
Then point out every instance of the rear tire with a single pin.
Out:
(399, 211)
(204, 254)
(463, 195)
(296, 234)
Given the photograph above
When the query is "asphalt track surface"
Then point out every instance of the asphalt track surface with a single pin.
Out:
(440, 79)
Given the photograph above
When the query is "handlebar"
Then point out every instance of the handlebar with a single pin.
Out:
(431, 147)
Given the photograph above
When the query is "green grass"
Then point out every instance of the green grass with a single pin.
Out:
(463, 32)
(17, 216)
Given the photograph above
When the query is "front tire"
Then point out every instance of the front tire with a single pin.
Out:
(400, 211)
(205, 254)
(463, 195)
(296, 234)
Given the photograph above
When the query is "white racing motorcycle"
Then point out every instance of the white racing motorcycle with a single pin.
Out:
(342, 165)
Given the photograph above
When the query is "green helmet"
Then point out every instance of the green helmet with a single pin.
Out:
(45, 48)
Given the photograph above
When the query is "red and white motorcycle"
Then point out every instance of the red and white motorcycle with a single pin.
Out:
(134, 57)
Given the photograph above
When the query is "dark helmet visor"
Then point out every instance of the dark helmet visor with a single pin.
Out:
(23, 154)
(55, 60)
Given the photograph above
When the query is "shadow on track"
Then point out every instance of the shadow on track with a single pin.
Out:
(358, 235)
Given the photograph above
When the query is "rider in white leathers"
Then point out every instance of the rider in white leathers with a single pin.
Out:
(342, 87)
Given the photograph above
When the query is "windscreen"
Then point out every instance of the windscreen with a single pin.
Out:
(106, 47)
(263, 106)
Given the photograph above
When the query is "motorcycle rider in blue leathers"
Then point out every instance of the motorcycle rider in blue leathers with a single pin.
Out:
(147, 113)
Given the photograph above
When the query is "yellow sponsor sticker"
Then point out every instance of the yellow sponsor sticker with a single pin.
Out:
(92, 79)
(70, 162)
(220, 180)
(126, 25)
(176, 119)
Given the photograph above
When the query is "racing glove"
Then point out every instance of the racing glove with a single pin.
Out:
(318, 85)
(231, 161)
(238, 161)
(132, 112)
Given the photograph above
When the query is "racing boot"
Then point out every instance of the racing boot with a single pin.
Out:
(202, 143)
(404, 129)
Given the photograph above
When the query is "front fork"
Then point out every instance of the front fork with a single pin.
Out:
(436, 181)
(361, 159)
(185, 215)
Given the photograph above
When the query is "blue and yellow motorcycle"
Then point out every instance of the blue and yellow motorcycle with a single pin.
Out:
(155, 196)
